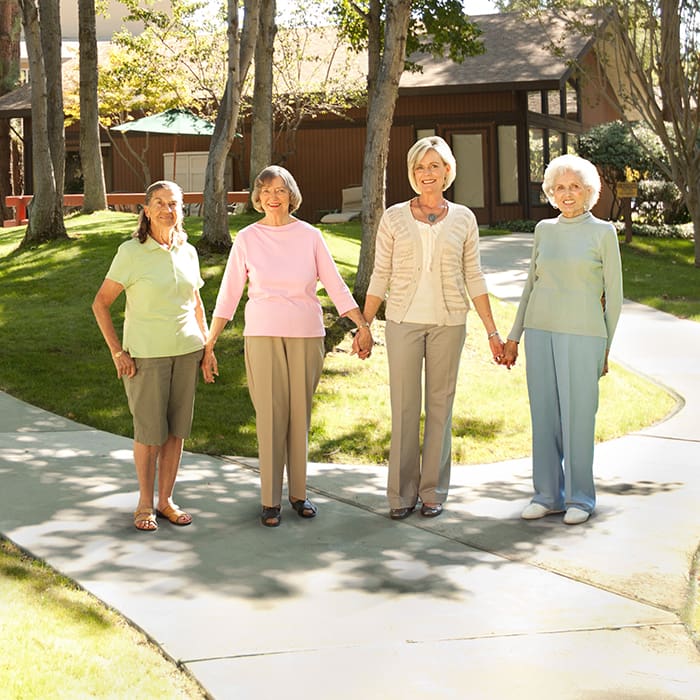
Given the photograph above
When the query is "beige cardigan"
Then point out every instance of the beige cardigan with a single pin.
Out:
(456, 268)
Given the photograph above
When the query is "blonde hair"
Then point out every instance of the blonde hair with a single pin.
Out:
(270, 173)
(582, 168)
(420, 148)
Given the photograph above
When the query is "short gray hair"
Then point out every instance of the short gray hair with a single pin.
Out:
(420, 148)
(582, 168)
(270, 173)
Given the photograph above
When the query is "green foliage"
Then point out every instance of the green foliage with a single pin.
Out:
(660, 202)
(615, 147)
(681, 231)
(518, 225)
(437, 27)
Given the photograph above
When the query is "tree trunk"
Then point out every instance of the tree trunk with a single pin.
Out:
(46, 217)
(10, 26)
(216, 236)
(50, 32)
(95, 196)
(382, 101)
(261, 129)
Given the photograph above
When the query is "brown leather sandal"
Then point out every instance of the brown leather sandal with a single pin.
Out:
(175, 515)
(145, 520)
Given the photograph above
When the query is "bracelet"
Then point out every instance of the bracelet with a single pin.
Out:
(363, 325)
(492, 335)
(117, 355)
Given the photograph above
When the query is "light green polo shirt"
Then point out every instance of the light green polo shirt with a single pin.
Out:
(574, 262)
(160, 286)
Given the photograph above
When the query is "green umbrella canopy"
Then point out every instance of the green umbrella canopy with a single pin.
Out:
(172, 121)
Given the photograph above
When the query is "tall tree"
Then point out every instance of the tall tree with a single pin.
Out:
(51, 42)
(10, 28)
(90, 148)
(46, 219)
(262, 126)
(391, 30)
(241, 48)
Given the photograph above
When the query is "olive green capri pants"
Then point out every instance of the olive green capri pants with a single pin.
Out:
(161, 396)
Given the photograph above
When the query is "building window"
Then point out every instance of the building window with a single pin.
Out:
(553, 102)
(556, 144)
(508, 165)
(571, 102)
(422, 133)
(534, 102)
(537, 156)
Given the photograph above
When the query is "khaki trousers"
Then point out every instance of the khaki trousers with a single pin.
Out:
(283, 374)
(414, 349)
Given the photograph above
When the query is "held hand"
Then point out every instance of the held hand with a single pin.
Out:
(362, 344)
(605, 364)
(497, 348)
(510, 354)
(209, 365)
(126, 367)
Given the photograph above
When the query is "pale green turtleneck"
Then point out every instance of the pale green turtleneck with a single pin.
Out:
(574, 261)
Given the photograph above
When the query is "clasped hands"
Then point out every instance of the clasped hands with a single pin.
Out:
(362, 343)
(504, 354)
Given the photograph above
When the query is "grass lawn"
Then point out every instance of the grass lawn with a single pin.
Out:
(61, 642)
(660, 272)
(54, 357)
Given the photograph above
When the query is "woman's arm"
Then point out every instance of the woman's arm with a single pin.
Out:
(482, 304)
(105, 297)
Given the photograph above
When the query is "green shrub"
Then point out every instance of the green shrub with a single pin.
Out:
(684, 231)
(660, 202)
(518, 225)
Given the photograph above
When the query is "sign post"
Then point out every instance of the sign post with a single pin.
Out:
(625, 192)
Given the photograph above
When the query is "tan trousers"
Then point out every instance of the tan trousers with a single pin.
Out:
(414, 349)
(283, 374)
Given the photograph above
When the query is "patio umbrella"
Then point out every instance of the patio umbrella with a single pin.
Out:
(172, 121)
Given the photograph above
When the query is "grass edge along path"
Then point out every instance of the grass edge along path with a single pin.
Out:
(66, 643)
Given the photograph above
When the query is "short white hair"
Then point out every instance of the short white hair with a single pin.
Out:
(582, 168)
(420, 148)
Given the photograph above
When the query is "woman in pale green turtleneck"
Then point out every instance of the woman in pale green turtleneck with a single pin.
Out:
(568, 311)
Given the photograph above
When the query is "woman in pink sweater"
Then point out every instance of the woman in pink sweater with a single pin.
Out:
(282, 259)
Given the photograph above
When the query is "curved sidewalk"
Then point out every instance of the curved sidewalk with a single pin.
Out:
(474, 604)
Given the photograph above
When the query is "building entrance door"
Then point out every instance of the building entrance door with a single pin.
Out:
(470, 187)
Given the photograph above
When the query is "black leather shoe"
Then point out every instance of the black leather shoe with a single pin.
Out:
(400, 513)
(431, 511)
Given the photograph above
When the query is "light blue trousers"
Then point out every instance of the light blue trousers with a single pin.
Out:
(562, 380)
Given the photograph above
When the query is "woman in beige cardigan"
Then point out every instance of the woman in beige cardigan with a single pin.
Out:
(427, 266)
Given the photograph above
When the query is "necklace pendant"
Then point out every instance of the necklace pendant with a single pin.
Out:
(432, 218)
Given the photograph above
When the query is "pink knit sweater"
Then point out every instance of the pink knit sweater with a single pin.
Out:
(282, 265)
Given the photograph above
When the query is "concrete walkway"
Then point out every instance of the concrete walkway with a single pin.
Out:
(474, 604)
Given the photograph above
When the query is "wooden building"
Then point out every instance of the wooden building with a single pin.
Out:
(505, 113)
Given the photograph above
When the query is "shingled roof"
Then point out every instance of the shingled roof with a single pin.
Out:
(518, 54)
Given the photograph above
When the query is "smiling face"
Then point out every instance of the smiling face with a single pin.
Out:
(164, 209)
(570, 194)
(430, 172)
(274, 197)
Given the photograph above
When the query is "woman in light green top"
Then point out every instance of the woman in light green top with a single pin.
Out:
(163, 342)
(568, 311)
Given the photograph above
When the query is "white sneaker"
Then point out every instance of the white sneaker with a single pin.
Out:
(534, 511)
(576, 516)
